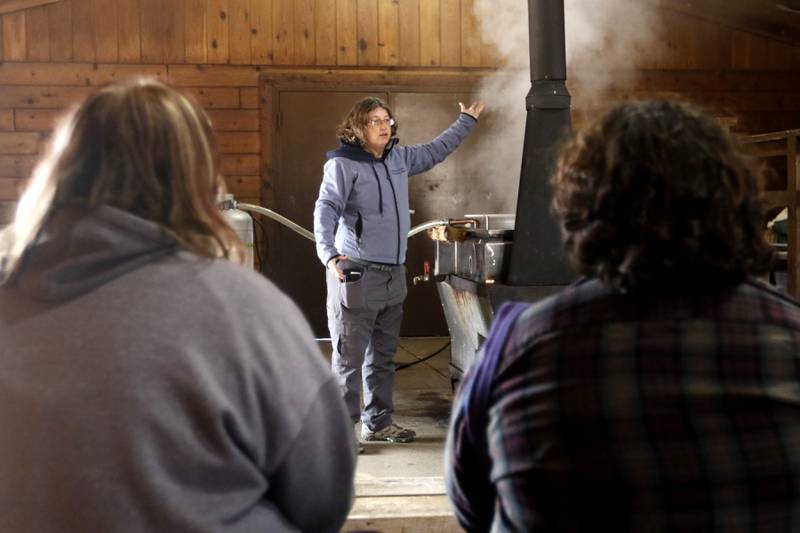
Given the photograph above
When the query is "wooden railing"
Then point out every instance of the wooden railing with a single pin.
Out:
(783, 144)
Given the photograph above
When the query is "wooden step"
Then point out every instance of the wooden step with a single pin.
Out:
(402, 505)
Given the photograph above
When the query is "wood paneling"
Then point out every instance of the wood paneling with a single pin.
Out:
(130, 31)
(37, 27)
(175, 28)
(234, 119)
(6, 119)
(409, 32)
(217, 31)
(195, 20)
(9, 6)
(388, 32)
(13, 143)
(304, 28)
(367, 32)
(261, 32)
(36, 97)
(59, 22)
(430, 34)
(214, 98)
(212, 76)
(451, 33)
(346, 32)
(154, 31)
(14, 36)
(244, 186)
(283, 30)
(325, 32)
(50, 74)
(16, 166)
(84, 40)
(470, 35)
(414, 33)
(106, 30)
(239, 32)
(239, 165)
(34, 119)
(10, 188)
(248, 98)
(231, 142)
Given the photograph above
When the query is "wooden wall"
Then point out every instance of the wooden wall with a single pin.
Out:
(411, 33)
(53, 54)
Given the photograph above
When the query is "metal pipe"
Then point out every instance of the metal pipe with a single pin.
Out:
(278, 218)
(441, 222)
(536, 258)
(310, 236)
(427, 225)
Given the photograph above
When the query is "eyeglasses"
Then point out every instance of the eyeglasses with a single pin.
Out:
(378, 121)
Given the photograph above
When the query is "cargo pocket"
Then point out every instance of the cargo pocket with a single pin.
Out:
(352, 292)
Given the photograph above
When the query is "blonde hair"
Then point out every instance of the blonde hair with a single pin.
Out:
(140, 147)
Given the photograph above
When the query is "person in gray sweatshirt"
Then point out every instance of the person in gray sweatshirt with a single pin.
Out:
(147, 382)
(361, 224)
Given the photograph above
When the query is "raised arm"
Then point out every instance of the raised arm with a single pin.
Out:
(422, 157)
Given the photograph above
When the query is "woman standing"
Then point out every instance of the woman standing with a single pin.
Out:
(361, 224)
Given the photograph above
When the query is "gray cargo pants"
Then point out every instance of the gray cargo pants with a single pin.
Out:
(364, 321)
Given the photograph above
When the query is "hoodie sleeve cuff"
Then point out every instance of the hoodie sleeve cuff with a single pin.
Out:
(469, 116)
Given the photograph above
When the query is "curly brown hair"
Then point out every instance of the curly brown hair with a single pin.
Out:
(351, 129)
(655, 194)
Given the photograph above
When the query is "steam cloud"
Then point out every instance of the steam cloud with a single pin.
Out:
(607, 36)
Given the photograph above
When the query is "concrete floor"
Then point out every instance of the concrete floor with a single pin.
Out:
(400, 487)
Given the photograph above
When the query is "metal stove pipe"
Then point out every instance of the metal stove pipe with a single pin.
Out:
(536, 257)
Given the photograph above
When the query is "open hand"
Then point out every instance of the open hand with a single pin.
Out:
(473, 110)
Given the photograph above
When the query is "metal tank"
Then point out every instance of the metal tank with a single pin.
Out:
(487, 259)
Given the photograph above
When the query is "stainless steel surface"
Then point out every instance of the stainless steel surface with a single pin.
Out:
(468, 318)
(476, 259)
(493, 221)
(478, 253)
(469, 309)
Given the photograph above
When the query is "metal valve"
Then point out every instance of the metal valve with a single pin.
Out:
(426, 273)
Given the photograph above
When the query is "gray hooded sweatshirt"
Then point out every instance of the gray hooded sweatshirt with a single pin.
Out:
(143, 388)
(362, 210)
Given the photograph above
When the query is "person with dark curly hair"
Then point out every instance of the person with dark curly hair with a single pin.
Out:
(661, 391)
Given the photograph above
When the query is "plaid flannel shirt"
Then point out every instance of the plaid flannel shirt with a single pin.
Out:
(640, 412)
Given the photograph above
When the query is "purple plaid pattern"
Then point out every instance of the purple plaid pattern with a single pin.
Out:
(642, 412)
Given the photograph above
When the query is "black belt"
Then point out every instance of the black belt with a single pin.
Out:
(386, 267)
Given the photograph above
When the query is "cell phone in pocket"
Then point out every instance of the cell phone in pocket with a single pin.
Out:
(352, 274)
